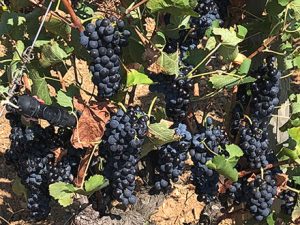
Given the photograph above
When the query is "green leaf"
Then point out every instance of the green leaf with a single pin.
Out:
(220, 81)
(228, 37)
(62, 192)
(195, 56)
(296, 211)
(224, 167)
(58, 27)
(235, 153)
(135, 77)
(270, 219)
(94, 183)
(18, 188)
(296, 62)
(283, 2)
(295, 6)
(296, 179)
(159, 40)
(18, 5)
(245, 67)
(177, 7)
(20, 47)
(160, 133)
(3, 89)
(39, 85)
(51, 54)
(169, 63)
(229, 53)
(242, 31)
(292, 154)
(295, 134)
(177, 22)
(211, 43)
(64, 100)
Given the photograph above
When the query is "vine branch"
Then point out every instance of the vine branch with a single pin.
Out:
(76, 21)
(269, 166)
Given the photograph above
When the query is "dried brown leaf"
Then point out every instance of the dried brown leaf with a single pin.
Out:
(83, 167)
(58, 154)
(281, 180)
(150, 27)
(224, 186)
(91, 125)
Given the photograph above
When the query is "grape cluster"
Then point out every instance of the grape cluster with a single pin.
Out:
(236, 191)
(260, 195)
(209, 12)
(255, 144)
(178, 95)
(203, 147)
(172, 158)
(104, 42)
(265, 90)
(121, 146)
(289, 200)
(31, 153)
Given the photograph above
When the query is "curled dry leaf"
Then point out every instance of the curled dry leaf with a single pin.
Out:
(58, 154)
(83, 167)
(150, 27)
(223, 187)
(281, 180)
(91, 124)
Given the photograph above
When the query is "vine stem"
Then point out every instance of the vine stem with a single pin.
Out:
(135, 6)
(190, 74)
(269, 166)
(292, 189)
(76, 21)
(151, 108)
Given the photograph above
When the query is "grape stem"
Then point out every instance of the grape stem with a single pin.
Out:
(151, 108)
(190, 74)
(293, 189)
(131, 95)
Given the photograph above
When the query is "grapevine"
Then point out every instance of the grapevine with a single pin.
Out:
(123, 108)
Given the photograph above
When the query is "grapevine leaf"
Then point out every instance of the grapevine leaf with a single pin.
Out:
(296, 62)
(51, 54)
(295, 6)
(177, 7)
(283, 2)
(211, 43)
(288, 63)
(295, 134)
(195, 56)
(91, 124)
(220, 81)
(161, 133)
(176, 23)
(296, 179)
(168, 63)
(39, 86)
(135, 77)
(245, 66)
(229, 53)
(40, 43)
(242, 31)
(18, 188)
(296, 211)
(63, 192)
(228, 37)
(270, 219)
(94, 183)
(3, 89)
(235, 153)
(19, 50)
(159, 40)
(224, 167)
(64, 100)
(55, 25)
(292, 154)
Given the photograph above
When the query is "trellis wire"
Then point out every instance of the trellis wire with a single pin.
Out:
(26, 58)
